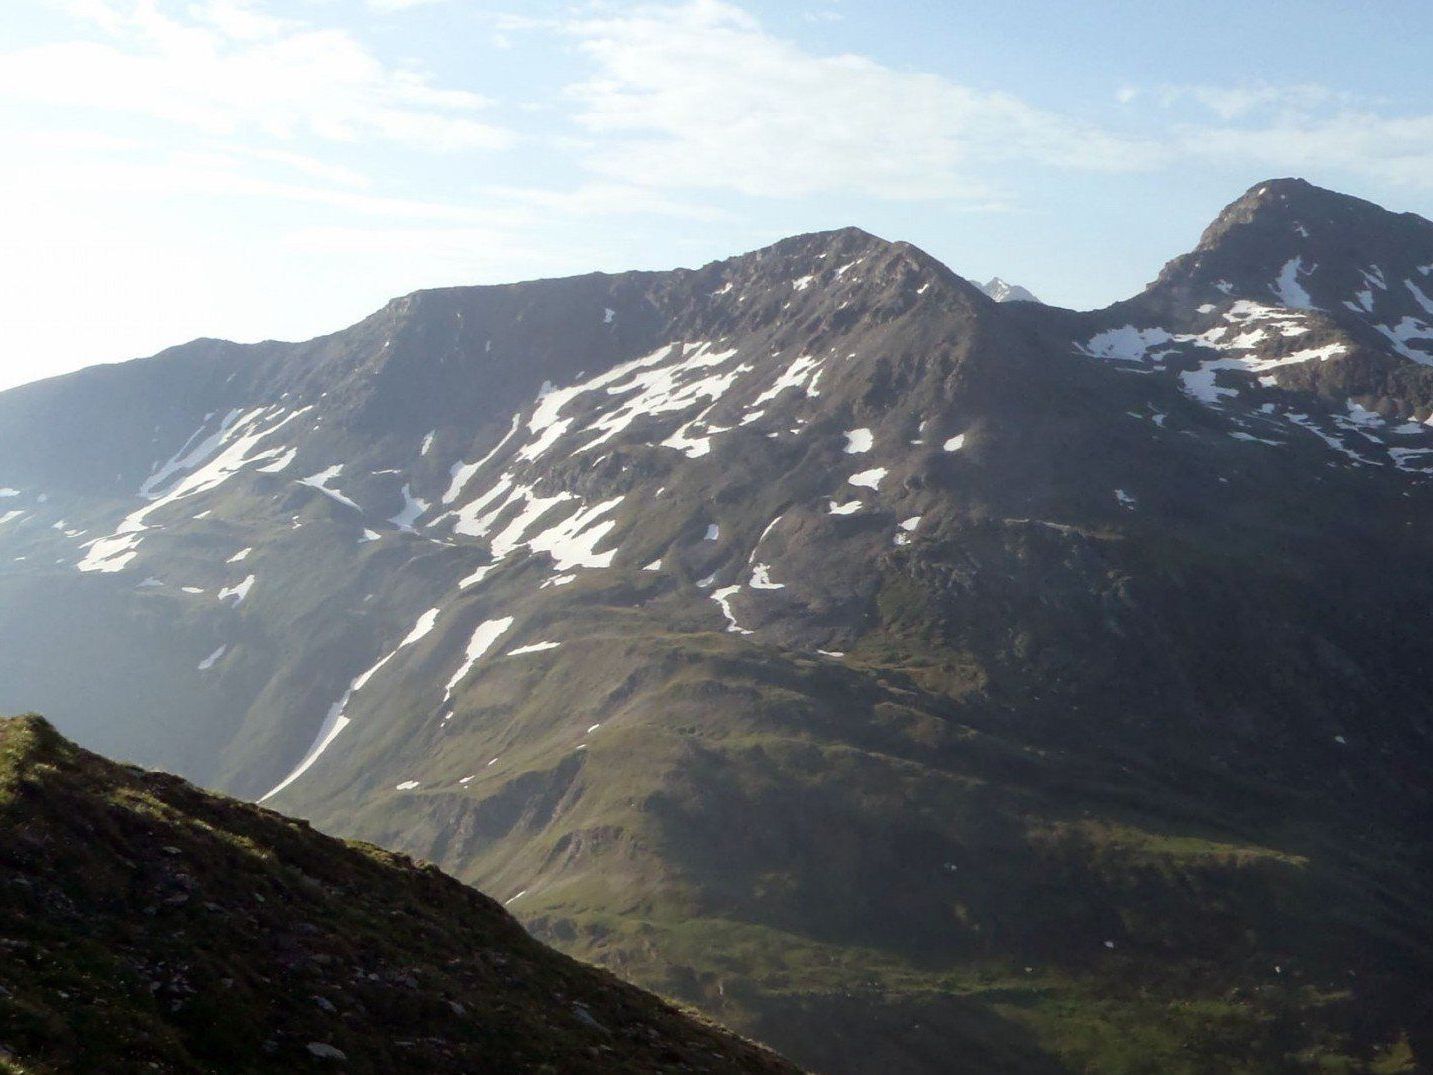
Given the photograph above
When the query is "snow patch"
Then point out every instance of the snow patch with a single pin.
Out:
(858, 441)
(1238, 435)
(1128, 344)
(536, 647)
(761, 579)
(1409, 328)
(412, 509)
(462, 473)
(476, 577)
(723, 598)
(482, 640)
(320, 482)
(238, 592)
(1287, 287)
(572, 543)
(1417, 292)
(869, 479)
(188, 457)
(236, 442)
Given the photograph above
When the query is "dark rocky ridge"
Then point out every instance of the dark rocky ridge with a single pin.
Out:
(1060, 733)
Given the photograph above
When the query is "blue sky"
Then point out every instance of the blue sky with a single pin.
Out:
(279, 168)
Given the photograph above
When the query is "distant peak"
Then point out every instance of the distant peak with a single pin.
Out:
(1004, 291)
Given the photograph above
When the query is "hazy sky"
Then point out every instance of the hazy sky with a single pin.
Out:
(253, 169)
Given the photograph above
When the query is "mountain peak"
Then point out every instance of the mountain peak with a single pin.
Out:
(1285, 187)
(1286, 242)
(1291, 203)
(829, 267)
(1003, 291)
(833, 241)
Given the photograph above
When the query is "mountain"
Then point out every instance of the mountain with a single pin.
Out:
(1001, 291)
(1300, 311)
(149, 926)
(810, 637)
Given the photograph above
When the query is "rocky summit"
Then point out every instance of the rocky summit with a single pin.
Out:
(916, 682)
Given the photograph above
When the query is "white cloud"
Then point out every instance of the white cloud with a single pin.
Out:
(509, 22)
(700, 95)
(216, 172)
(600, 199)
(226, 67)
(1233, 102)
(240, 20)
(1387, 149)
(401, 5)
(1327, 134)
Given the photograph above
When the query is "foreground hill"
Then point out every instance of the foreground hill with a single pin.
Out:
(813, 638)
(149, 926)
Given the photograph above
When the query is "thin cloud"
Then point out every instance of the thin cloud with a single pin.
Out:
(401, 5)
(1234, 102)
(1385, 149)
(1304, 128)
(226, 67)
(699, 95)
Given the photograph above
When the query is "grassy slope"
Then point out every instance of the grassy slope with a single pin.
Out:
(825, 856)
(147, 925)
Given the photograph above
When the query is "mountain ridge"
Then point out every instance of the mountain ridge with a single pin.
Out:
(810, 637)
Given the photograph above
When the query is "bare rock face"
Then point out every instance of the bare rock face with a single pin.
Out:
(809, 636)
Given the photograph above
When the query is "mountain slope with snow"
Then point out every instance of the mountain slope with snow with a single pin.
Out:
(808, 635)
